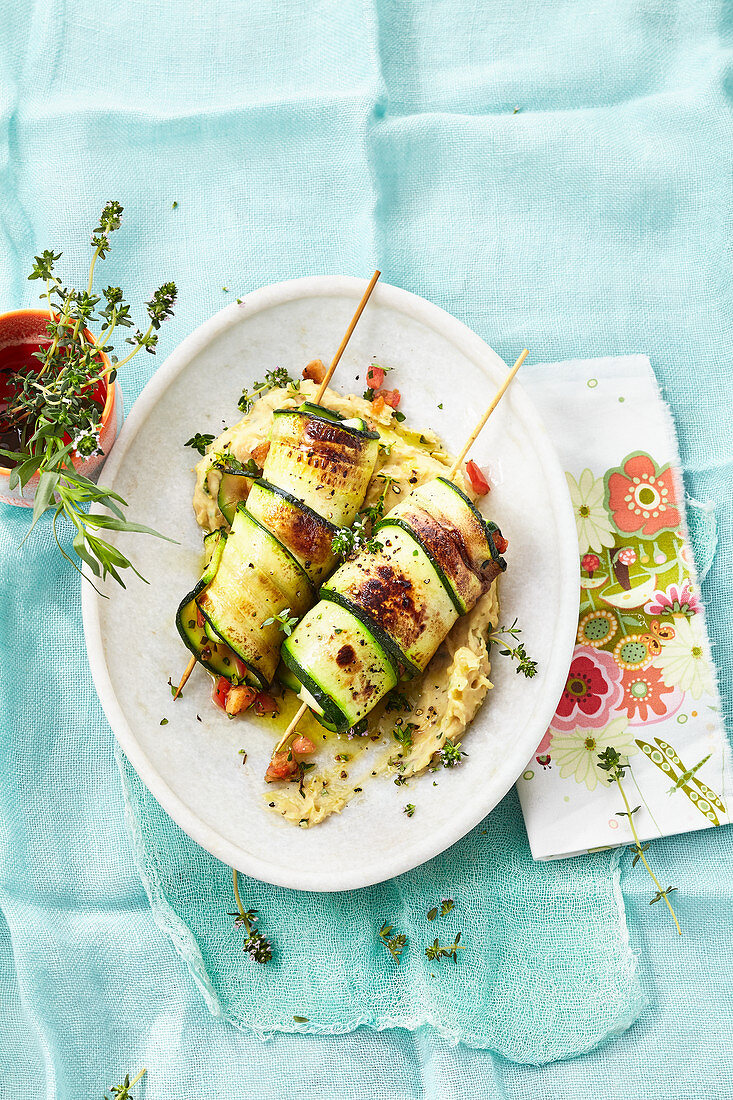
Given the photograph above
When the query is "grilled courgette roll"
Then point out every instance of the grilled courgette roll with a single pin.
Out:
(436, 557)
(323, 462)
(279, 548)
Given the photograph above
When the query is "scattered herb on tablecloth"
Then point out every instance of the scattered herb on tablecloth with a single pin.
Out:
(437, 952)
(174, 689)
(164, 721)
(122, 1092)
(518, 653)
(255, 944)
(610, 761)
(55, 412)
(301, 1019)
(409, 809)
(394, 944)
(446, 905)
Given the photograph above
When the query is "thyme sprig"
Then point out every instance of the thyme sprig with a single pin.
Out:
(394, 944)
(610, 761)
(122, 1092)
(449, 756)
(56, 410)
(274, 379)
(518, 653)
(255, 944)
(348, 540)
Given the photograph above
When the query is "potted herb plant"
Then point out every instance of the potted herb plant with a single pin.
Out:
(59, 400)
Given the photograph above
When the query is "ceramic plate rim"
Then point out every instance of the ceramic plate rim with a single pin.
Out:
(507, 773)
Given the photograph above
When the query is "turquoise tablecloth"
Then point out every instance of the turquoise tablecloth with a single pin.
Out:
(319, 137)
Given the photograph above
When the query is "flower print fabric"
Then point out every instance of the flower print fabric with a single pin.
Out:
(642, 497)
(592, 690)
(641, 679)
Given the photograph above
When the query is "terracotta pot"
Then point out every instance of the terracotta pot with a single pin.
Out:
(28, 326)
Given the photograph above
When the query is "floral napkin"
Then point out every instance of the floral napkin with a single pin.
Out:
(641, 679)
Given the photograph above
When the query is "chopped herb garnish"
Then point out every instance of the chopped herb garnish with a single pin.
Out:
(409, 809)
(301, 1019)
(397, 701)
(450, 756)
(199, 442)
(403, 734)
(228, 464)
(399, 416)
(164, 721)
(348, 540)
(285, 621)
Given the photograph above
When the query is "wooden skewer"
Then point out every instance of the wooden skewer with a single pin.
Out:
(321, 390)
(189, 669)
(291, 728)
(347, 336)
(477, 430)
(454, 469)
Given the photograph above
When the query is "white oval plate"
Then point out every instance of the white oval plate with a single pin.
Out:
(193, 768)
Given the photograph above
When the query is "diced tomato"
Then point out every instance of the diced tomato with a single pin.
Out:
(240, 698)
(282, 768)
(391, 398)
(500, 542)
(303, 745)
(315, 370)
(475, 475)
(222, 687)
(264, 703)
(374, 377)
(378, 404)
(199, 618)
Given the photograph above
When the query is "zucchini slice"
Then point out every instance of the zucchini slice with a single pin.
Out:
(449, 504)
(195, 632)
(340, 663)
(306, 535)
(233, 490)
(399, 590)
(323, 463)
(454, 535)
(257, 579)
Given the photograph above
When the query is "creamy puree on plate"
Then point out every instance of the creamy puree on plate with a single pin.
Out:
(448, 694)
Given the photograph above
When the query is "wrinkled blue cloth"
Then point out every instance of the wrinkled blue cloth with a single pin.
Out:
(556, 175)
